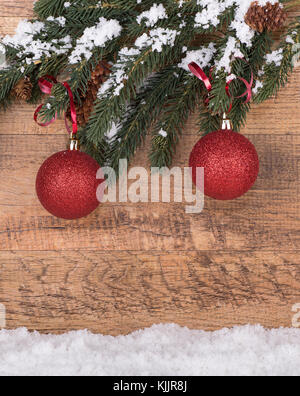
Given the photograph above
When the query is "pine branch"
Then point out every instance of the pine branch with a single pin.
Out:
(79, 78)
(137, 68)
(207, 121)
(140, 115)
(276, 76)
(143, 89)
(173, 119)
(98, 152)
(8, 79)
(46, 8)
(262, 45)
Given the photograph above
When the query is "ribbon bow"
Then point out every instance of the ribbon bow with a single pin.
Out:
(199, 73)
(46, 87)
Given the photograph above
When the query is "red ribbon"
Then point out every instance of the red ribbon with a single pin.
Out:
(46, 87)
(248, 91)
(199, 73)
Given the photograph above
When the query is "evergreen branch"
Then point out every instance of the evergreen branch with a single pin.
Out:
(142, 88)
(276, 76)
(46, 8)
(172, 120)
(110, 108)
(141, 113)
(79, 77)
(8, 79)
(207, 121)
(97, 151)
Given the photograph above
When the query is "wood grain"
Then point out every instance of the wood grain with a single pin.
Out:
(119, 292)
(16, 8)
(8, 25)
(270, 210)
(128, 266)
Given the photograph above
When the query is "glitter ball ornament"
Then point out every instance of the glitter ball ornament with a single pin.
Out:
(230, 163)
(66, 184)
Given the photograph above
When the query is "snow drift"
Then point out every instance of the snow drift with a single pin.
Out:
(160, 350)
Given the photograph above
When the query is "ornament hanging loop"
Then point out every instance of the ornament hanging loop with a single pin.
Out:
(226, 123)
(199, 73)
(46, 87)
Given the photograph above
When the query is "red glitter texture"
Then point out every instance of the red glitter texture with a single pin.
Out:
(66, 184)
(230, 162)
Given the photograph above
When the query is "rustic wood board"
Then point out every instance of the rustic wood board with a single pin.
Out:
(128, 266)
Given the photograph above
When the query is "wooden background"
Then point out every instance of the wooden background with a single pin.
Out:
(128, 266)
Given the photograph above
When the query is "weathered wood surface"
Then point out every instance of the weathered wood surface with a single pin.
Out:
(118, 292)
(128, 266)
(16, 8)
(267, 217)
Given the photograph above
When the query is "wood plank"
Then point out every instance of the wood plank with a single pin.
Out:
(116, 293)
(128, 266)
(21, 157)
(8, 25)
(268, 216)
(18, 120)
(157, 227)
(13, 8)
(278, 115)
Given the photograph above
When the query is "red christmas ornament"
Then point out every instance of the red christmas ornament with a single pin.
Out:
(230, 162)
(66, 184)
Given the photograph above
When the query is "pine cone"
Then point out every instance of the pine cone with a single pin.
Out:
(99, 76)
(23, 89)
(271, 17)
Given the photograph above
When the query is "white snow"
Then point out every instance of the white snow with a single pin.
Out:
(210, 14)
(35, 48)
(163, 133)
(95, 36)
(112, 133)
(3, 63)
(213, 9)
(161, 350)
(157, 38)
(60, 20)
(231, 52)
(275, 57)
(290, 40)
(151, 17)
(118, 77)
(258, 86)
(203, 57)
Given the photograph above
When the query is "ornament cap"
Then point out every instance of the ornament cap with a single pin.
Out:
(226, 123)
(74, 144)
